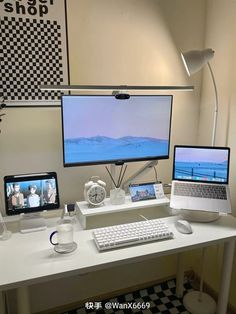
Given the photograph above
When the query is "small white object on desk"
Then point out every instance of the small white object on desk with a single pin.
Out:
(94, 191)
(117, 196)
(65, 243)
(5, 234)
(183, 226)
(64, 232)
(159, 192)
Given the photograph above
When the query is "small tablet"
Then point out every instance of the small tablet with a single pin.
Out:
(31, 193)
(143, 191)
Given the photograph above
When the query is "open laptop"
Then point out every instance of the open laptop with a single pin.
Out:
(200, 179)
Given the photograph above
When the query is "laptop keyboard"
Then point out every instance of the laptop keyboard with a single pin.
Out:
(200, 190)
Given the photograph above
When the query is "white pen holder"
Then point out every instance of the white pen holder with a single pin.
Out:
(117, 196)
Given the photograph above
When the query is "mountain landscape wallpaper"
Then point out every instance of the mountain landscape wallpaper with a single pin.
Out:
(102, 128)
(201, 164)
(105, 148)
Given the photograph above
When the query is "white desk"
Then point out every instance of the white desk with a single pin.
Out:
(29, 258)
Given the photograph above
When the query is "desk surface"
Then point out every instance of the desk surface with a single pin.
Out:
(29, 258)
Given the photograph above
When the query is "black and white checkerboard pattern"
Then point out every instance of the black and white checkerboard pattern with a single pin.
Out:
(161, 297)
(31, 55)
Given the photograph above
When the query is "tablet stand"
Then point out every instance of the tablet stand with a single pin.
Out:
(32, 222)
(147, 167)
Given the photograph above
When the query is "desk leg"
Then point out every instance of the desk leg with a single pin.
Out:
(23, 301)
(180, 276)
(225, 277)
(2, 303)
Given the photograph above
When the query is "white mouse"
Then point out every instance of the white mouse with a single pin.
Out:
(183, 226)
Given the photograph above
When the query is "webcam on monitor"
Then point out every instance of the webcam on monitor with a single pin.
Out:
(122, 96)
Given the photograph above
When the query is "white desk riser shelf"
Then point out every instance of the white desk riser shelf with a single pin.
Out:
(93, 217)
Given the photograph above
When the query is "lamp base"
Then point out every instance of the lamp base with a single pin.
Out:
(199, 215)
(206, 305)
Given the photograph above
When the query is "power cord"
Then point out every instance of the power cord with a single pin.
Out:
(144, 218)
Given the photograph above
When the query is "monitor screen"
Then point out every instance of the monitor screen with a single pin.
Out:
(104, 129)
(31, 193)
(204, 164)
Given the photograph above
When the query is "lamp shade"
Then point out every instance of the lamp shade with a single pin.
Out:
(194, 60)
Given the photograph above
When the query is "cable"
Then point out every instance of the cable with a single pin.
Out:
(143, 217)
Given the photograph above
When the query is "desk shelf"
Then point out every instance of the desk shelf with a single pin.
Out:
(89, 217)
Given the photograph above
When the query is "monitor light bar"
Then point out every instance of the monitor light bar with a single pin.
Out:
(112, 87)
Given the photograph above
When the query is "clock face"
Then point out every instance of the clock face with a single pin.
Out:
(96, 195)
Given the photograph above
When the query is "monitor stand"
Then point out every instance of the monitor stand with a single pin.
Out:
(198, 215)
(32, 222)
(139, 173)
(146, 168)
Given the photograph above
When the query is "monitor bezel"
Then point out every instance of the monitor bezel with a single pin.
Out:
(30, 177)
(115, 161)
(201, 147)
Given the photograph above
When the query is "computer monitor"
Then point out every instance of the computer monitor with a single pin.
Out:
(201, 164)
(100, 129)
(30, 193)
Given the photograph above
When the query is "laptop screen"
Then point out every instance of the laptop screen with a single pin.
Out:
(201, 164)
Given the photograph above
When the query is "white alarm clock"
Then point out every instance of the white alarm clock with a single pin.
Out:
(94, 191)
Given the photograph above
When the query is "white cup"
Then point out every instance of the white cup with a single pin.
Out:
(65, 242)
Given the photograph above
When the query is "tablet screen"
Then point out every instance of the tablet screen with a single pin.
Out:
(30, 193)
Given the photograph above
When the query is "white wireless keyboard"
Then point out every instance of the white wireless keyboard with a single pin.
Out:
(133, 233)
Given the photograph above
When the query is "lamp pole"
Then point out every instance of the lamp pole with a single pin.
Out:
(216, 106)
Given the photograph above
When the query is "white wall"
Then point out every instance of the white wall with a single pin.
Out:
(221, 37)
(110, 42)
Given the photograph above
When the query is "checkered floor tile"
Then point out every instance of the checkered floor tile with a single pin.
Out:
(157, 299)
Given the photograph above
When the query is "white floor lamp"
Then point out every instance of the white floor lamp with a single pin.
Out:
(194, 61)
(198, 302)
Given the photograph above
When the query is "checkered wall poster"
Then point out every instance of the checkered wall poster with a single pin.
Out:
(33, 50)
